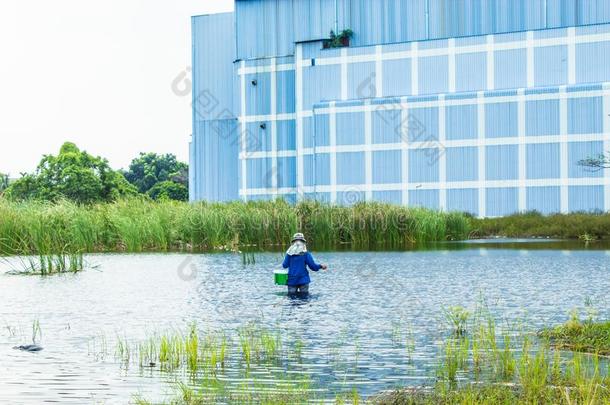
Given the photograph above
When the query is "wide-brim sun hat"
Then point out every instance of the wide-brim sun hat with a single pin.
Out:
(298, 236)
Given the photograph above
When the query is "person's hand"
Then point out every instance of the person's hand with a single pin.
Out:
(324, 267)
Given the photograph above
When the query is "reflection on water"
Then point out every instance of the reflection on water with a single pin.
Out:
(373, 321)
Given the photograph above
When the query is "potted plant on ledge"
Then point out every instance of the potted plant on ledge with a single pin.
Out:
(340, 40)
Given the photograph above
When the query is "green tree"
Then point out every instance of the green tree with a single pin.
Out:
(150, 169)
(168, 190)
(595, 163)
(72, 174)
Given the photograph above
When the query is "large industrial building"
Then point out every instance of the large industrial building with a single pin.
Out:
(482, 106)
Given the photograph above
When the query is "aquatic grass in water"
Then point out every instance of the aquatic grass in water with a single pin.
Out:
(138, 225)
(191, 347)
(46, 264)
(513, 367)
(259, 344)
(588, 336)
(457, 317)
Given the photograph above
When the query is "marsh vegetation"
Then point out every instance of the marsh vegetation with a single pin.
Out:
(587, 227)
(138, 225)
(477, 362)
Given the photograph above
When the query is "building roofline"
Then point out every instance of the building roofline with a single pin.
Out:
(212, 14)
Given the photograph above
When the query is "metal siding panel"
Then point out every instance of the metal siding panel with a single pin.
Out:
(463, 200)
(271, 27)
(561, 13)
(286, 135)
(286, 172)
(322, 127)
(397, 77)
(471, 71)
(212, 87)
(586, 198)
(192, 191)
(501, 120)
(216, 160)
(510, 69)
(313, 19)
(585, 115)
(462, 163)
(386, 125)
(386, 167)
(423, 165)
(308, 131)
(317, 169)
(258, 96)
(509, 37)
(350, 168)
(449, 18)
(542, 117)
(440, 43)
(542, 161)
(258, 139)
(502, 162)
(502, 201)
(535, 14)
(259, 172)
(461, 122)
(423, 124)
(583, 150)
(264, 28)
(327, 86)
(545, 200)
(551, 65)
(593, 62)
(413, 11)
(433, 75)
(350, 128)
(390, 197)
(548, 34)
(285, 92)
(424, 198)
(361, 80)
(594, 11)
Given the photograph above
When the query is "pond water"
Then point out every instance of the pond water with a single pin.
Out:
(348, 325)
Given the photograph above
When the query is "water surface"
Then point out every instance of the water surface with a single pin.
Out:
(353, 325)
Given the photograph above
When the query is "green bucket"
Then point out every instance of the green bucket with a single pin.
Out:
(281, 277)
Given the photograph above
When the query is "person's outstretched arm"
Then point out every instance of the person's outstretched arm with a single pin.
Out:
(286, 263)
(311, 263)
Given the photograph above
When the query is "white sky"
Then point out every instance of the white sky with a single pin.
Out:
(97, 73)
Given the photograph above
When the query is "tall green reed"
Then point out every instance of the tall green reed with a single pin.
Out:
(138, 224)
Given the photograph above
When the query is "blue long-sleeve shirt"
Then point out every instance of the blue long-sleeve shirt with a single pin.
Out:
(297, 268)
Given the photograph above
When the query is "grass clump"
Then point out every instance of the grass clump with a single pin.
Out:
(580, 336)
(259, 344)
(141, 225)
(583, 226)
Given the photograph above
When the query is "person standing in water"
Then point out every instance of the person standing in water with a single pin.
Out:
(297, 260)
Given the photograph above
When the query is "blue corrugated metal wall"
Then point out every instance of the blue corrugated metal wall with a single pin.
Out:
(214, 146)
(214, 160)
(213, 56)
(505, 172)
(271, 27)
(487, 124)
